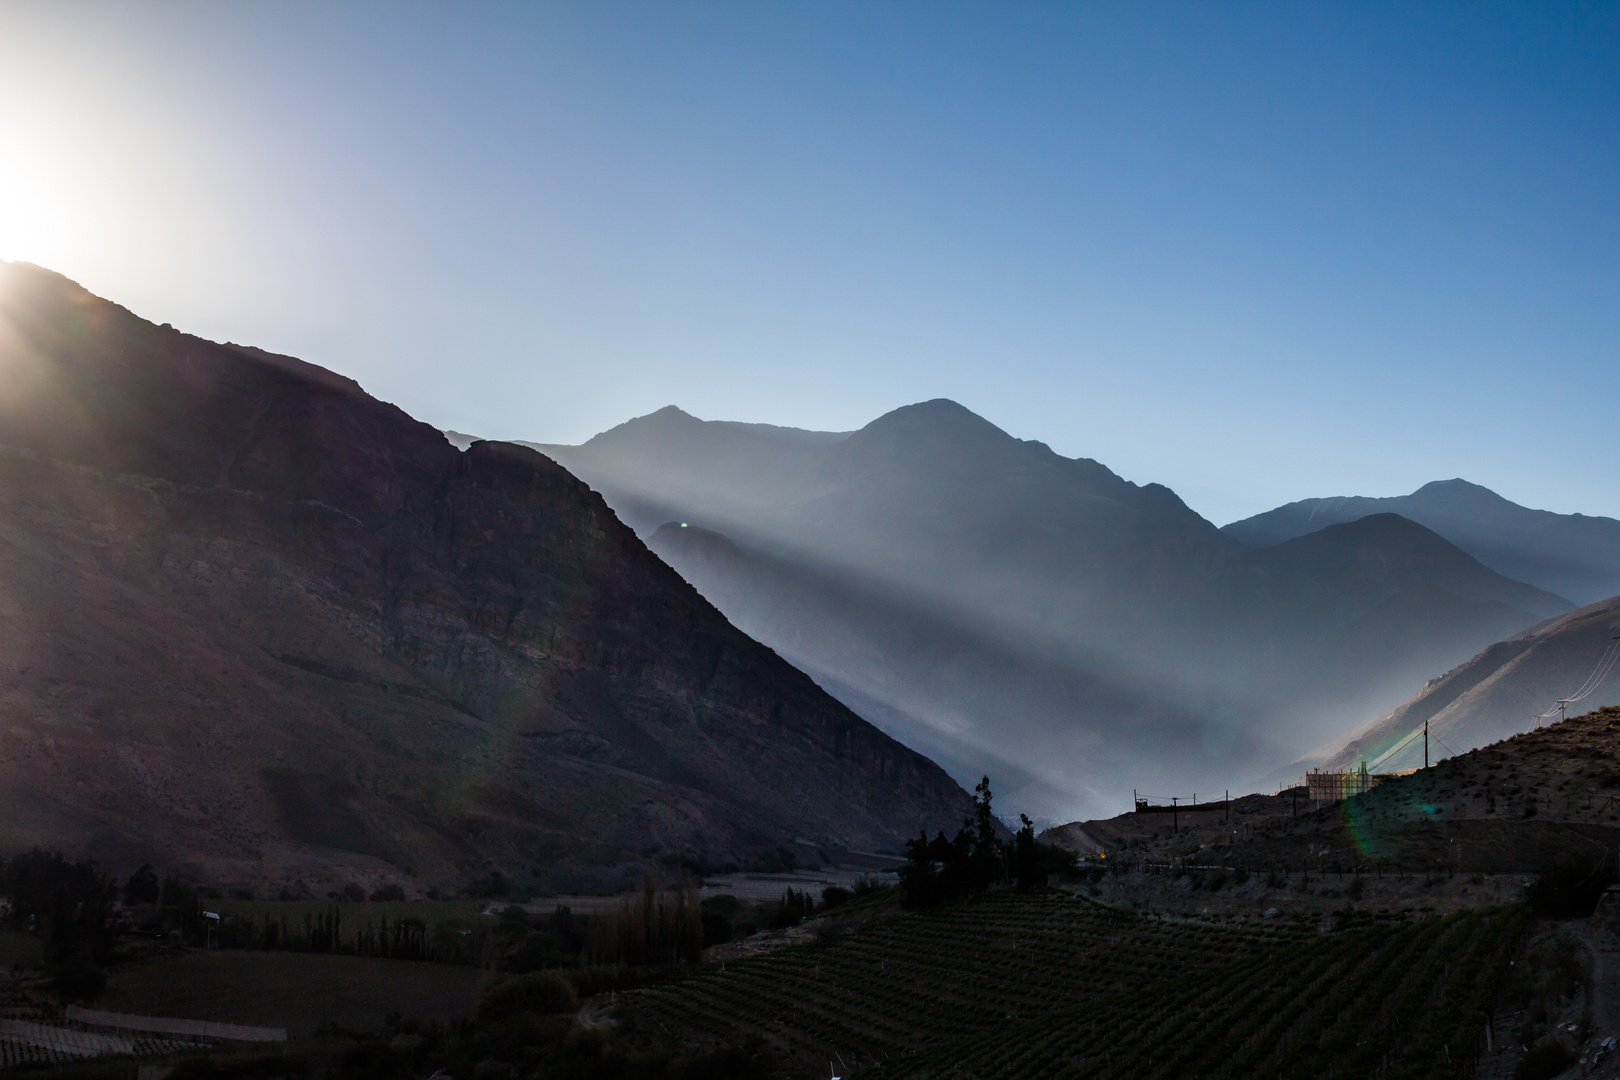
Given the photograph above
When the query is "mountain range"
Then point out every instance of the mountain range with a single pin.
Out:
(1007, 609)
(1572, 555)
(266, 631)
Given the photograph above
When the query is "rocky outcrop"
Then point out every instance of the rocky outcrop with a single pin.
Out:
(260, 626)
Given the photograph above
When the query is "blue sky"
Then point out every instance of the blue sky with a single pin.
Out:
(1256, 252)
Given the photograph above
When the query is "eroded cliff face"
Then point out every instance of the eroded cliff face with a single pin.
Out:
(258, 626)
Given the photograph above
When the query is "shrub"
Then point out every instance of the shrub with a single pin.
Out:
(1569, 892)
(791, 910)
(716, 914)
(388, 892)
(373, 1060)
(535, 952)
(866, 886)
(1545, 1060)
(590, 981)
(588, 1043)
(142, 886)
(354, 892)
(727, 1063)
(1056, 860)
(568, 930)
(544, 992)
(73, 973)
(833, 895)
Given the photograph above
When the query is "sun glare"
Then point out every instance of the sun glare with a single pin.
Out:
(34, 196)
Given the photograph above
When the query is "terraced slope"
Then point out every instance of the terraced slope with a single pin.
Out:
(912, 982)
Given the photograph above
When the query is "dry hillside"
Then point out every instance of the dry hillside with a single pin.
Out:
(1523, 805)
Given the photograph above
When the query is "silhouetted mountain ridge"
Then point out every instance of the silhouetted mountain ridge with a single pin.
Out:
(262, 628)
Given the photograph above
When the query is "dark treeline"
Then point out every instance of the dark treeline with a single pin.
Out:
(178, 907)
(405, 938)
(68, 906)
(939, 870)
(74, 909)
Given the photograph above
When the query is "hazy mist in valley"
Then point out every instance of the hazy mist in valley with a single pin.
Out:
(1010, 611)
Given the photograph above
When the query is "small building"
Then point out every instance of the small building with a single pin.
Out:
(1334, 786)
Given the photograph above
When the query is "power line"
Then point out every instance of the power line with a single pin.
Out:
(1605, 665)
(1600, 673)
(1391, 751)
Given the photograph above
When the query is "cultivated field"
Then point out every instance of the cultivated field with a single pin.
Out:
(913, 980)
(1048, 983)
(1411, 1001)
(297, 991)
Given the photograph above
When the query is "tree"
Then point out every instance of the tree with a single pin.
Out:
(938, 870)
(1027, 866)
(987, 860)
(68, 903)
(143, 886)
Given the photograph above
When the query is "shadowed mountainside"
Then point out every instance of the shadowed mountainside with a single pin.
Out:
(1569, 554)
(263, 628)
(1039, 617)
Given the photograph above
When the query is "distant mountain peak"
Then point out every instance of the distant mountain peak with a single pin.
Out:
(928, 427)
(1568, 554)
(935, 412)
(668, 415)
(1457, 490)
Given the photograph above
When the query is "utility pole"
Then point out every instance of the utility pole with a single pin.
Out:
(1425, 744)
(1173, 813)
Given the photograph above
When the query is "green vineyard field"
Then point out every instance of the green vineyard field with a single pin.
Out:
(1047, 983)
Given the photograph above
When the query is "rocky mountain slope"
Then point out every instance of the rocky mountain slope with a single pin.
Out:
(1500, 692)
(1571, 555)
(259, 627)
(1014, 611)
